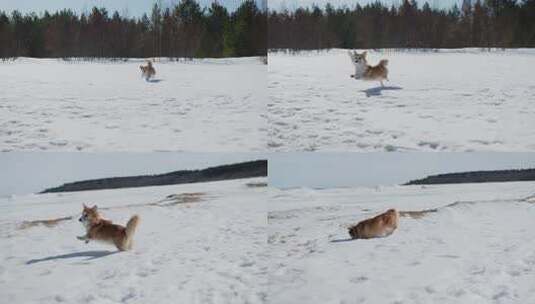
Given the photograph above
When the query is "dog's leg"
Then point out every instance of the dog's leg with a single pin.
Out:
(83, 238)
(382, 84)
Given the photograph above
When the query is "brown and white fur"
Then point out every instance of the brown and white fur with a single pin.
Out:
(147, 71)
(380, 226)
(99, 229)
(368, 72)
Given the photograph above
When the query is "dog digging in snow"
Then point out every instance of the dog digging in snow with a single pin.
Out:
(368, 72)
(380, 226)
(100, 229)
(147, 71)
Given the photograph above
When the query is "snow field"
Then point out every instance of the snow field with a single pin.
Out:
(449, 100)
(475, 251)
(200, 105)
(198, 243)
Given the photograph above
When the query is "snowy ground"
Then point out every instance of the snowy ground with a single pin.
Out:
(459, 100)
(205, 105)
(477, 251)
(205, 244)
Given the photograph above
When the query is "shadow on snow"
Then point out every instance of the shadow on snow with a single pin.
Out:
(378, 90)
(91, 255)
(342, 240)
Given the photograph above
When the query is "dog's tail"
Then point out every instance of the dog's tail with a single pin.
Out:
(383, 63)
(130, 229)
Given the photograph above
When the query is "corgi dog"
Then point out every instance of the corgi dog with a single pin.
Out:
(380, 226)
(368, 72)
(99, 229)
(147, 71)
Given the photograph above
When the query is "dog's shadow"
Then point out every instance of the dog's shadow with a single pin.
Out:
(91, 255)
(378, 90)
(342, 240)
(155, 80)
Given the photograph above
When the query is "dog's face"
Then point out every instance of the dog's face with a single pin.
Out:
(89, 215)
(354, 232)
(358, 58)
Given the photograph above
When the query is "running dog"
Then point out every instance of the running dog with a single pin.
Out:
(147, 71)
(380, 226)
(368, 72)
(99, 229)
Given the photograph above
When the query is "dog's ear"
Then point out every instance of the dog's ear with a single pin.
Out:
(94, 208)
(364, 54)
(85, 207)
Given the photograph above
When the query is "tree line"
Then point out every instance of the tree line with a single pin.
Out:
(482, 24)
(183, 30)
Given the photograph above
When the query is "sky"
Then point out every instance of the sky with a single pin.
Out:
(327, 170)
(31, 172)
(293, 4)
(131, 8)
